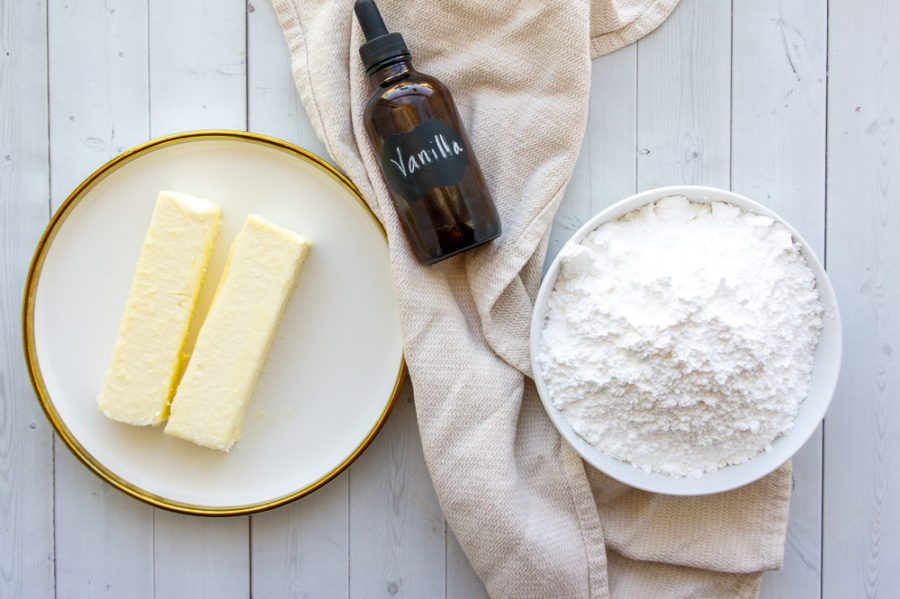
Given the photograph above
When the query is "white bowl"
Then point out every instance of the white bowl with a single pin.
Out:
(822, 381)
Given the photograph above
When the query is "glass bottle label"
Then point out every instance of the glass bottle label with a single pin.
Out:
(431, 155)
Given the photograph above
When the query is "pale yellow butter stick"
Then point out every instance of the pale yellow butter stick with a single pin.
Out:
(263, 263)
(147, 357)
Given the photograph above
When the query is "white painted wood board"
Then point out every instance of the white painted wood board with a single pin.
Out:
(723, 94)
(198, 65)
(26, 440)
(861, 520)
(396, 525)
(273, 104)
(684, 98)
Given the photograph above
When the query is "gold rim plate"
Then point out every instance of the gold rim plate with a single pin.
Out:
(334, 370)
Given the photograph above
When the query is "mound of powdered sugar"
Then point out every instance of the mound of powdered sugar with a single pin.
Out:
(680, 338)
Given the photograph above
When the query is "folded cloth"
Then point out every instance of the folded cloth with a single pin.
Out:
(532, 519)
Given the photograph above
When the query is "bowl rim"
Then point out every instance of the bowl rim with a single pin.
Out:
(810, 413)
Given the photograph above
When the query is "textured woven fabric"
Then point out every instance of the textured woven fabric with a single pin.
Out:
(531, 518)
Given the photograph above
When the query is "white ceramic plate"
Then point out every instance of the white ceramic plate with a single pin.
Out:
(334, 368)
(812, 410)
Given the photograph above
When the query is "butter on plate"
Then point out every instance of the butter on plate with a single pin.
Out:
(147, 357)
(263, 263)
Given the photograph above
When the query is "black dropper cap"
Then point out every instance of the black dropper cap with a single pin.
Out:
(380, 45)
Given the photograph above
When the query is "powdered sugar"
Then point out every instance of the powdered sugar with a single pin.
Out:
(680, 338)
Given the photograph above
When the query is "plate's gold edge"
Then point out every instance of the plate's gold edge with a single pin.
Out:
(30, 351)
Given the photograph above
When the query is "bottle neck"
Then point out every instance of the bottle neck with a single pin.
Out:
(391, 70)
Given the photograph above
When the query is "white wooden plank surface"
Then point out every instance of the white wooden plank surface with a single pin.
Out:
(201, 557)
(611, 136)
(396, 524)
(105, 551)
(720, 95)
(778, 158)
(104, 539)
(684, 98)
(302, 549)
(198, 65)
(274, 107)
(26, 442)
(197, 76)
(98, 86)
(862, 430)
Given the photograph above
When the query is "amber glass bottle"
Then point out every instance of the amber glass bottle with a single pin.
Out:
(427, 161)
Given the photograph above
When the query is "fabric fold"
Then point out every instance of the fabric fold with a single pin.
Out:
(615, 24)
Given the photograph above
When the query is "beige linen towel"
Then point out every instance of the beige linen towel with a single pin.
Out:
(531, 518)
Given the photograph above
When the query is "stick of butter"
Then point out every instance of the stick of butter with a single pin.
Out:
(263, 263)
(147, 357)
